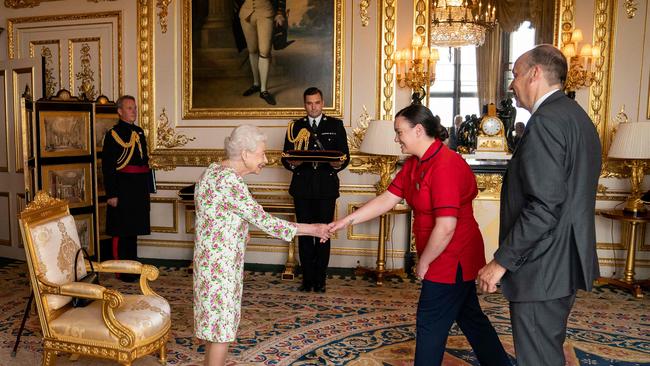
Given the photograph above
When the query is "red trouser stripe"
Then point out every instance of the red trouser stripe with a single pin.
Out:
(116, 242)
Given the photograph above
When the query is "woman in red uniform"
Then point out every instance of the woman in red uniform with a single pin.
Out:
(439, 186)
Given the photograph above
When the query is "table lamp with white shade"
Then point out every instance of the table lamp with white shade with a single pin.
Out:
(380, 140)
(632, 144)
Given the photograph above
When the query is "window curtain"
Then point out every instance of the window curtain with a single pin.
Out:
(510, 15)
(488, 67)
(540, 13)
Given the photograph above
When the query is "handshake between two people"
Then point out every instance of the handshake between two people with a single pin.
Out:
(322, 231)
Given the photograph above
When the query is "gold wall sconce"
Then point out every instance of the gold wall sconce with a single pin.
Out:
(582, 63)
(416, 68)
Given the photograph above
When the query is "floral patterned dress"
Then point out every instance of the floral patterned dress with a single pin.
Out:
(224, 208)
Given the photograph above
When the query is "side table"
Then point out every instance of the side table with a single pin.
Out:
(627, 281)
(380, 272)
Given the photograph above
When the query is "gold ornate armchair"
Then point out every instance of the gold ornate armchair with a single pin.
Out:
(114, 326)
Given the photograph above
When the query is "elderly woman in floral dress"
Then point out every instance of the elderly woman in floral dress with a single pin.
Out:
(224, 208)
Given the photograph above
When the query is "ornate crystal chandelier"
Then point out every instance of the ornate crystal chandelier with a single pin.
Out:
(458, 23)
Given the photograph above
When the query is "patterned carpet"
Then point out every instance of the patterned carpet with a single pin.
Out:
(354, 323)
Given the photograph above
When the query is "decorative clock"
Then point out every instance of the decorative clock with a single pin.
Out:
(491, 134)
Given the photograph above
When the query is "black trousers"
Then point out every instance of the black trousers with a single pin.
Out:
(440, 305)
(314, 255)
(126, 247)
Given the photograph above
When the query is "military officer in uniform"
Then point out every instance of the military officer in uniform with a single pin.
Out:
(127, 179)
(315, 186)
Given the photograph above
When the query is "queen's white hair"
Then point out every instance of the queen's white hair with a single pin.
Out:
(242, 138)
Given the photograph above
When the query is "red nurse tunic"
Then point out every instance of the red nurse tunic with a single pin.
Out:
(443, 184)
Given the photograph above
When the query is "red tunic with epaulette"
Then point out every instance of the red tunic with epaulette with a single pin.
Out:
(440, 184)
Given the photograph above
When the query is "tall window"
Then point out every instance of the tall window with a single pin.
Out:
(455, 90)
(520, 41)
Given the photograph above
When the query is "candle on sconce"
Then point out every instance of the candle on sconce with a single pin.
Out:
(595, 52)
(569, 51)
(424, 57)
(416, 43)
(576, 37)
(585, 54)
(398, 62)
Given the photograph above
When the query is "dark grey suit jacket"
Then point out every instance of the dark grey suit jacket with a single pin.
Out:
(547, 235)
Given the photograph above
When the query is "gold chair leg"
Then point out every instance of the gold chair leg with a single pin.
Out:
(163, 354)
(49, 357)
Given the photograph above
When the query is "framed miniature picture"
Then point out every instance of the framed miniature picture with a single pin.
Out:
(64, 133)
(70, 182)
(103, 123)
(86, 232)
(101, 220)
(101, 191)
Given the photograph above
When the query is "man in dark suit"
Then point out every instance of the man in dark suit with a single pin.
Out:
(315, 186)
(547, 236)
(453, 133)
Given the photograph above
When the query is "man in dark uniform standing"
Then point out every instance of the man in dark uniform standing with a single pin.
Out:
(127, 178)
(315, 186)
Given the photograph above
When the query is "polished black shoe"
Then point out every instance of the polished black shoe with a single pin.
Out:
(320, 289)
(252, 90)
(267, 97)
(304, 288)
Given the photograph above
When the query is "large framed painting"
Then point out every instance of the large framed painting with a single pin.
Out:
(64, 133)
(70, 182)
(229, 55)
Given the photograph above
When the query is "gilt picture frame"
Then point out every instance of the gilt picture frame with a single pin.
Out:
(101, 221)
(64, 133)
(307, 50)
(70, 182)
(101, 189)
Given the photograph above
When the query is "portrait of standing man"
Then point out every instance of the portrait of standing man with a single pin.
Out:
(547, 236)
(315, 186)
(257, 18)
(239, 49)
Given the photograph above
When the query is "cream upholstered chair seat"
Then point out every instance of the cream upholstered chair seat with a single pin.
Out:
(146, 316)
(113, 326)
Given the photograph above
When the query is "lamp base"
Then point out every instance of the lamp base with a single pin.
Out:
(635, 207)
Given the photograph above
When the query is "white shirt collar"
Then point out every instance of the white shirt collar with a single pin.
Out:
(317, 119)
(542, 99)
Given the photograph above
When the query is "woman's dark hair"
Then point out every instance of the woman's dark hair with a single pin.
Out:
(420, 115)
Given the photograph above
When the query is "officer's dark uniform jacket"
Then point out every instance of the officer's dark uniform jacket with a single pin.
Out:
(317, 180)
(125, 165)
